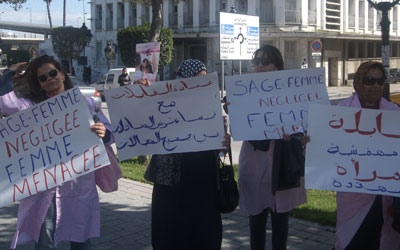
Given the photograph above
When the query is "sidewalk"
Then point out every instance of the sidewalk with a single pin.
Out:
(125, 225)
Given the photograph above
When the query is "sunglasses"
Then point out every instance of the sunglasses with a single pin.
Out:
(263, 61)
(52, 73)
(370, 81)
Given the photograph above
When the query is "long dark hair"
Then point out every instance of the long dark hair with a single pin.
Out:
(148, 66)
(273, 54)
(36, 94)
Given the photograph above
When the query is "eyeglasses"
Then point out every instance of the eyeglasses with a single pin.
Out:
(52, 73)
(263, 61)
(370, 81)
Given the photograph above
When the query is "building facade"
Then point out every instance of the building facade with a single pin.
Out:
(349, 31)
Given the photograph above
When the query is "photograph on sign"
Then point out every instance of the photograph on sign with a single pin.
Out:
(239, 36)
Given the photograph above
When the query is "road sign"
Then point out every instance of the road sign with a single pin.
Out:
(316, 55)
(239, 36)
(316, 46)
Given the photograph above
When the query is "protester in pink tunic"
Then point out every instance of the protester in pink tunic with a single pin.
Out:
(364, 221)
(70, 211)
(257, 197)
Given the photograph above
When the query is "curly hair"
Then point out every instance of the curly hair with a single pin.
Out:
(36, 93)
(363, 70)
(272, 53)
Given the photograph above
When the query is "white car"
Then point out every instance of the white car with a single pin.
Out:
(86, 90)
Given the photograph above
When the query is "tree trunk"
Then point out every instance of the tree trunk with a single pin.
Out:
(48, 13)
(64, 16)
(156, 22)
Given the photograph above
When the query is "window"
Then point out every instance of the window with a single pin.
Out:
(290, 55)
(352, 49)
(99, 17)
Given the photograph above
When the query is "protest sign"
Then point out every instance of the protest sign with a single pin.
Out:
(266, 105)
(353, 150)
(182, 115)
(147, 58)
(47, 145)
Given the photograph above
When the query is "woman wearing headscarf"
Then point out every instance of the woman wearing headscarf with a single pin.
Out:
(184, 204)
(364, 221)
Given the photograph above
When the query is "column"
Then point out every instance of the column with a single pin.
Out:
(127, 6)
(251, 7)
(150, 14)
(166, 13)
(139, 10)
(279, 9)
(391, 21)
(196, 11)
(319, 14)
(180, 14)
(115, 14)
(104, 12)
(398, 20)
(375, 20)
(213, 14)
(356, 16)
(366, 8)
(304, 12)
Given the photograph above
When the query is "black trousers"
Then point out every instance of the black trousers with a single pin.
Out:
(280, 227)
(369, 234)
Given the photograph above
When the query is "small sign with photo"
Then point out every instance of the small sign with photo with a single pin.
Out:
(147, 58)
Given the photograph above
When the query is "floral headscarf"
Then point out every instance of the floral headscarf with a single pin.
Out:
(190, 68)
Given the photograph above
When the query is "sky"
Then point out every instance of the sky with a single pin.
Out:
(74, 12)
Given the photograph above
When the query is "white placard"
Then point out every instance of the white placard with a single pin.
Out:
(353, 150)
(239, 36)
(169, 117)
(47, 145)
(264, 105)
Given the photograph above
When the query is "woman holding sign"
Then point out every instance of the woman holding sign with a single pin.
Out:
(70, 211)
(259, 195)
(184, 210)
(365, 221)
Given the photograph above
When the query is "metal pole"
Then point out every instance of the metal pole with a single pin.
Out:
(222, 78)
(240, 67)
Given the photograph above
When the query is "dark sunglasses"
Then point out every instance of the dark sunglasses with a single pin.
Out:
(370, 81)
(263, 61)
(52, 73)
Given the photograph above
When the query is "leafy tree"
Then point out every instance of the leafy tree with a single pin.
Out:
(69, 42)
(16, 4)
(128, 38)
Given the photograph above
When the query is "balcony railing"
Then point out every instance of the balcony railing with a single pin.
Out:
(191, 29)
(292, 16)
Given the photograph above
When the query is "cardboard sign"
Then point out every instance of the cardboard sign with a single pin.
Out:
(353, 150)
(266, 105)
(169, 117)
(47, 145)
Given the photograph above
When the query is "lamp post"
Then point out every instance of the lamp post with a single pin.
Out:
(385, 7)
(83, 8)
(30, 14)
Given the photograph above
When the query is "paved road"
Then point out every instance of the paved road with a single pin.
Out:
(125, 225)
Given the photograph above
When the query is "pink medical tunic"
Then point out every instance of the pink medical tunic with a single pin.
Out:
(352, 208)
(255, 184)
(77, 201)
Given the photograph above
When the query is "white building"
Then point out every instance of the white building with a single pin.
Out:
(348, 29)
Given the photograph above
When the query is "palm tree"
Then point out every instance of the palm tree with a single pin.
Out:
(48, 12)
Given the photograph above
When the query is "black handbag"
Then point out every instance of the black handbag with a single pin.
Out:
(228, 193)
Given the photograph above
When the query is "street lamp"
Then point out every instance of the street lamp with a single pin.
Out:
(30, 14)
(83, 7)
(77, 21)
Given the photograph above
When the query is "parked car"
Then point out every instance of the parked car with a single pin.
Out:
(111, 79)
(99, 86)
(86, 90)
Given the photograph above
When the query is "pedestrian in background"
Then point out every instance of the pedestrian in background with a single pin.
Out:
(71, 211)
(184, 210)
(258, 193)
(124, 79)
(364, 221)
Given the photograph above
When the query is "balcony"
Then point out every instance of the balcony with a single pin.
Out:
(199, 29)
(292, 16)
